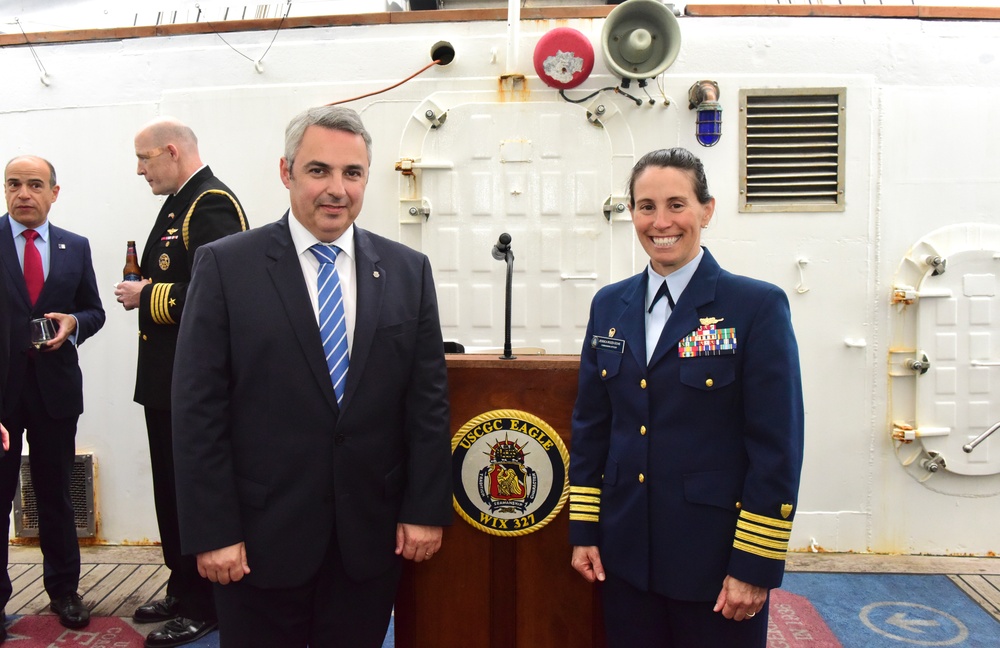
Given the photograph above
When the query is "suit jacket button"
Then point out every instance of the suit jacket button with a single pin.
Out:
(642, 430)
(339, 439)
(642, 478)
(709, 382)
(604, 373)
(144, 337)
(642, 383)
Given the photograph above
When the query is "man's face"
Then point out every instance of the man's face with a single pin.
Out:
(158, 164)
(326, 184)
(29, 196)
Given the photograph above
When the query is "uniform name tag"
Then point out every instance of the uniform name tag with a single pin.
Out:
(602, 343)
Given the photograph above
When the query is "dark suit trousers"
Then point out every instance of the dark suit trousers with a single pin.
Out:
(637, 619)
(52, 443)
(193, 592)
(329, 611)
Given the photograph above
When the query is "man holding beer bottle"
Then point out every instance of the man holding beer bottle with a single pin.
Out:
(199, 209)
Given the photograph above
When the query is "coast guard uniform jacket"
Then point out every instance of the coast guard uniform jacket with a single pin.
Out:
(686, 470)
(203, 210)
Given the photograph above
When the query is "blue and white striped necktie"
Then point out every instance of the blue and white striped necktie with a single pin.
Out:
(332, 322)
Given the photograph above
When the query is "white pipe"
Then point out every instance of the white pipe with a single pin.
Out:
(513, 34)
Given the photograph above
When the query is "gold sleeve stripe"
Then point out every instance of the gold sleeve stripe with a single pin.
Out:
(780, 545)
(585, 499)
(579, 517)
(757, 551)
(762, 530)
(159, 304)
(187, 218)
(761, 519)
(584, 509)
(584, 490)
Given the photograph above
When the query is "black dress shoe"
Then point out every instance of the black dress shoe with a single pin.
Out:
(71, 610)
(161, 610)
(178, 632)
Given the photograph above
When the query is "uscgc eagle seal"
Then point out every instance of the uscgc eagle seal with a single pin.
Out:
(510, 472)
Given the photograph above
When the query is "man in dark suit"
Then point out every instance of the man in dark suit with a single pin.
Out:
(687, 432)
(4, 363)
(199, 209)
(299, 490)
(48, 274)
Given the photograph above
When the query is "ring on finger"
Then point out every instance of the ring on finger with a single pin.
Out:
(751, 614)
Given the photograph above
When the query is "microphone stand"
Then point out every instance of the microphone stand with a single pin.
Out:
(502, 251)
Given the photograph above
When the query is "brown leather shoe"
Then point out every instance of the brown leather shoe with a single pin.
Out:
(72, 612)
(156, 611)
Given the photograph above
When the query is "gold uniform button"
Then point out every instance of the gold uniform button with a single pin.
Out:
(739, 505)
(642, 478)
(709, 382)
(144, 337)
(604, 373)
(642, 430)
(642, 383)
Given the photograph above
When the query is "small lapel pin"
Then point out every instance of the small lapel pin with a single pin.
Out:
(62, 246)
(376, 274)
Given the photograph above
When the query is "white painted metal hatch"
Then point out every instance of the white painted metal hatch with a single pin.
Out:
(950, 285)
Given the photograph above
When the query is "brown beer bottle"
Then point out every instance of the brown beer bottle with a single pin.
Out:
(132, 271)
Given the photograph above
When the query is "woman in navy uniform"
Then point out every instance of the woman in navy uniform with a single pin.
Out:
(687, 432)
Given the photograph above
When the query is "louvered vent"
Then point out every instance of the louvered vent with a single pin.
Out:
(792, 144)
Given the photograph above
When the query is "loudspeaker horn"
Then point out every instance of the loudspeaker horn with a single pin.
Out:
(640, 39)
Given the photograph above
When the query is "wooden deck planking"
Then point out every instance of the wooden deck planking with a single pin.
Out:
(114, 580)
(147, 582)
(980, 590)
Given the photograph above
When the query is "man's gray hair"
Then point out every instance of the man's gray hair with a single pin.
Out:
(331, 117)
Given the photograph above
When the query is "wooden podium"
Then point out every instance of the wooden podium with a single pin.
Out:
(487, 591)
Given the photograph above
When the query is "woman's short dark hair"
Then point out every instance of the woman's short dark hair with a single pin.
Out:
(678, 158)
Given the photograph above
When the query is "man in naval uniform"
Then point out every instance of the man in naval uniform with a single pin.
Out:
(199, 209)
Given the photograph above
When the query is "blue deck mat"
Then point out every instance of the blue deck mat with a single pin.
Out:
(896, 610)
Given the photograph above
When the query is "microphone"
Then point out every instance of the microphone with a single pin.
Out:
(501, 247)
(502, 252)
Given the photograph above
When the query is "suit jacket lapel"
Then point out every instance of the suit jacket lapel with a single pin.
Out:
(286, 273)
(10, 262)
(631, 322)
(371, 281)
(684, 318)
(57, 259)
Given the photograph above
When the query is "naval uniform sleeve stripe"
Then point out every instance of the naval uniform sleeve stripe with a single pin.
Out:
(159, 304)
(780, 545)
(584, 499)
(584, 490)
(763, 519)
(584, 509)
(762, 530)
(579, 517)
(758, 551)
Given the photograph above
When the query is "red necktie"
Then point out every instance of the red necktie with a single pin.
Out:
(34, 276)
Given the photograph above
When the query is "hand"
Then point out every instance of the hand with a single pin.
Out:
(416, 542)
(5, 437)
(65, 325)
(225, 565)
(128, 292)
(739, 600)
(587, 561)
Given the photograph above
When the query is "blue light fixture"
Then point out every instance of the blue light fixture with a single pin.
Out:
(703, 97)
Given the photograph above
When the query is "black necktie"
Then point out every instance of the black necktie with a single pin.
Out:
(663, 290)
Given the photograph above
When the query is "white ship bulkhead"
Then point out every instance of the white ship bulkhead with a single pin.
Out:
(921, 179)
